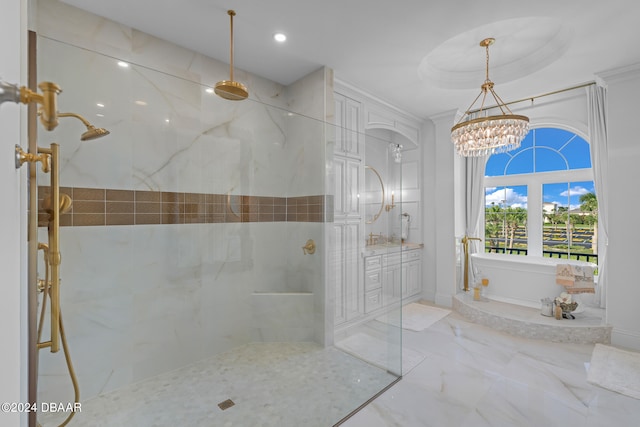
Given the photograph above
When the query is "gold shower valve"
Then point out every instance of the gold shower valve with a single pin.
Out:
(23, 157)
(309, 248)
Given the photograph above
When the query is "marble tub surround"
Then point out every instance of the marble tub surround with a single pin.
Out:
(475, 376)
(588, 327)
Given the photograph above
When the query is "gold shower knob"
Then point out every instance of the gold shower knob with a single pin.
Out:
(309, 248)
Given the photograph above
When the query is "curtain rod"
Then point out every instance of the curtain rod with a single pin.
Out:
(531, 98)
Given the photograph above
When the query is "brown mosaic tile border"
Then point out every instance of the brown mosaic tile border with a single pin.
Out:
(101, 207)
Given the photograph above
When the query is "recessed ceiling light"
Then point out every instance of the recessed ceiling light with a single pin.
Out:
(209, 90)
(123, 64)
(141, 103)
(100, 105)
(167, 120)
(280, 37)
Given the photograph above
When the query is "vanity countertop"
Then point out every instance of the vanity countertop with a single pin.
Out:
(387, 248)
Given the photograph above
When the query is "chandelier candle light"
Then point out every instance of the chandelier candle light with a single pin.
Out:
(483, 135)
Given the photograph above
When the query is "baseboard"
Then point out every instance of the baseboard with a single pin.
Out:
(626, 339)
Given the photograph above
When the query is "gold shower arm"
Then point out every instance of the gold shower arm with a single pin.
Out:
(77, 116)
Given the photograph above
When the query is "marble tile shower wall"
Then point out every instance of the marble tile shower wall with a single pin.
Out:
(148, 292)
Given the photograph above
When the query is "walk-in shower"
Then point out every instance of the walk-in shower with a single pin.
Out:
(197, 255)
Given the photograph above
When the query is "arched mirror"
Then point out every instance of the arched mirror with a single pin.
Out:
(374, 194)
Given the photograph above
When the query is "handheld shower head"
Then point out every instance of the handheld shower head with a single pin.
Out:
(65, 204)
(92, 132)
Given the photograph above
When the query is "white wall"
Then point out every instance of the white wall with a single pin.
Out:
(430, 209)
(441, 229)
(623, 293)
(12, 218)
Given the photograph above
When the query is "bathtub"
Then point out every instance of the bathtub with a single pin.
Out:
(522, 280)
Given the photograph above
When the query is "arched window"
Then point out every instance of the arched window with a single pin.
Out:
(540, 198)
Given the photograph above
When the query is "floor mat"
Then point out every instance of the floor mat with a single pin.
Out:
(616, 370)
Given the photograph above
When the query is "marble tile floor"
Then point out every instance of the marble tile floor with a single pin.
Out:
(474, 376)
(469, 375)
(271, 384)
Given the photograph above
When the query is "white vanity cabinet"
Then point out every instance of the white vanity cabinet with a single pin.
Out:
(391, 277)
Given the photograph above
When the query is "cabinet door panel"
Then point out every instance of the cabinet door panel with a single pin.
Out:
(391, 284)
(355, 291)
(352, 190)
(411, 278)
(339, 167)
(352, 124)
(339, 274)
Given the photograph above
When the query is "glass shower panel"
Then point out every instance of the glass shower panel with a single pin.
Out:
(186, 293)
(368, 289)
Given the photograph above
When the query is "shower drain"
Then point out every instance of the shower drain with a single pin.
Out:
(226, 404)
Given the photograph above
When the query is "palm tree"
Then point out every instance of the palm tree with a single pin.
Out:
(589, 204)
(493, 224)
(516, 218)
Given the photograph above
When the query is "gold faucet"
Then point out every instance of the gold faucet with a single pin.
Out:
(465, 247)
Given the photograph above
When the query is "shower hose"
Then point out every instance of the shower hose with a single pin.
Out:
(63, 339)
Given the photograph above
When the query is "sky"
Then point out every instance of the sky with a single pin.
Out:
(542, 150)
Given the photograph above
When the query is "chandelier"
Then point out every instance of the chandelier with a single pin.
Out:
(482, 135)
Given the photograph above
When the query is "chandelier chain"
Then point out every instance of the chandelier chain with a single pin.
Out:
(487, 69)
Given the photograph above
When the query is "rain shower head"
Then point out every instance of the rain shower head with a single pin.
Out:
(230, 89)
(92, 131)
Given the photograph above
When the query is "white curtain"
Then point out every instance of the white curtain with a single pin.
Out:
(473, 169)
(597, 120)
(474, 203)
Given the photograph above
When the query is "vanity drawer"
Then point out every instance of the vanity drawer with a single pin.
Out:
(373, 262)
(411, 255)
(372, 280)
(372, 301)
(392, 259)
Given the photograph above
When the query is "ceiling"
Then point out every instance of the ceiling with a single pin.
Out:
(422, 56)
